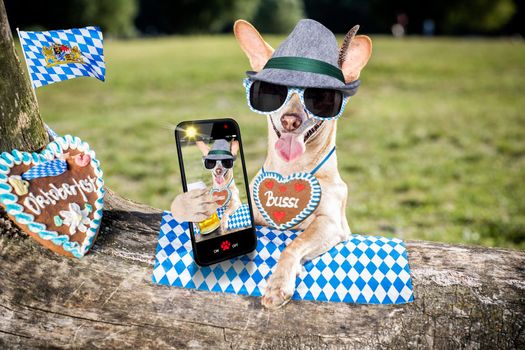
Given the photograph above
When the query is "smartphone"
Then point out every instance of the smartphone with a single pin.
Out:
(211, 157)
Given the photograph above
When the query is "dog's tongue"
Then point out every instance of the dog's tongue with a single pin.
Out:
(219, 179)
(290, 146)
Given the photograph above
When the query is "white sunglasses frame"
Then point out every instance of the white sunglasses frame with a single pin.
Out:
(291, 90)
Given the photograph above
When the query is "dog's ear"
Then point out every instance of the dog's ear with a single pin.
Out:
(252, 43)
(205, 149)
(354, 54)
(234, 147)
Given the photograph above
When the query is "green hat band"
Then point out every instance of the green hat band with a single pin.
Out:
(218, 151)
(305, 64)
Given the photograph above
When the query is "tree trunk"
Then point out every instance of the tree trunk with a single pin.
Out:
(465, 297)
(20, 124)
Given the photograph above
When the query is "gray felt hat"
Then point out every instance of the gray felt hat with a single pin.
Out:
(307, 58)
(220, 150)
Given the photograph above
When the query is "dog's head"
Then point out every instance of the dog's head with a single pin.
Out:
(294, 128)
(221, 170)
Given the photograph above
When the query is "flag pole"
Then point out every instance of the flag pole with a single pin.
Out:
(50, 132)
(27, 65)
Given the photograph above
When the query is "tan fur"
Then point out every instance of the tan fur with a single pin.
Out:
(327, 225)
(357, 56)
(235, 200)
(252, 43)
(203, 147)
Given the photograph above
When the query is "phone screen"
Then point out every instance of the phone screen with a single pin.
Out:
(211, 158)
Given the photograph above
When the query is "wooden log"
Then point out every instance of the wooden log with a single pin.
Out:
(465, 297)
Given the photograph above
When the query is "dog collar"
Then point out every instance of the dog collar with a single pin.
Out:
(305, 64)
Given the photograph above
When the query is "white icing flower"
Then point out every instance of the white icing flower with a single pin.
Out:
(76, 218)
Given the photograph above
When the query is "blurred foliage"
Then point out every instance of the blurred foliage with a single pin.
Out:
(450, 16)
(478, 15)
(341, 15)
(278, 16)
(153, 17)
(115, 17)
(188, 16)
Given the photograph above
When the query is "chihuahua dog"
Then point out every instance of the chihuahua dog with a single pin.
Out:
(224, 190)
(296, 143)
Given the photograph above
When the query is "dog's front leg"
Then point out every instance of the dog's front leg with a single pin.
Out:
(321, 235)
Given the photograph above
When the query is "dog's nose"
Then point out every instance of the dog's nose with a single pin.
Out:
(291, 121)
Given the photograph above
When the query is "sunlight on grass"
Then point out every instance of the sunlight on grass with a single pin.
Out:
(432, 146)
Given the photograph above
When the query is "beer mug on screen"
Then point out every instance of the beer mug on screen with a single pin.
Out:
(210, 224)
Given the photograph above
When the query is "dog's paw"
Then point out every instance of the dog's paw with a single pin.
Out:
(224, 224)
(279, 290)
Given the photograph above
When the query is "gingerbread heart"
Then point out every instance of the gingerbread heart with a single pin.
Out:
(56, 196)
(223, 193)
(286, 201)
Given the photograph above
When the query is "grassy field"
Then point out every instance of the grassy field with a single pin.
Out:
(432, 147)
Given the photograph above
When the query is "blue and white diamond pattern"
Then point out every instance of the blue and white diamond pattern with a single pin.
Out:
(364, 269)
(239, 219)
(89, 41)
(52, 167)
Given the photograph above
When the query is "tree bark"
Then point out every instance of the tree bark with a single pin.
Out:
(465, 297)
(20, 124)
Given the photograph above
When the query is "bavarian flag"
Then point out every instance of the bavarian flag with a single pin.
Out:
(59, 55)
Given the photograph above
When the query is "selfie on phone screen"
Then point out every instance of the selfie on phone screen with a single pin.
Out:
(211, 164)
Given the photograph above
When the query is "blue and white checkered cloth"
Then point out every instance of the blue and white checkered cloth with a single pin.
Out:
(53, 167)
(364, 269)
(89, 42)
(239, 219)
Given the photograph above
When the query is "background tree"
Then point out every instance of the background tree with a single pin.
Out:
(189, 16)
(339, 16)
(115, 17)
(152, 17)
(278, 16)
(483, 16)
(20, 124)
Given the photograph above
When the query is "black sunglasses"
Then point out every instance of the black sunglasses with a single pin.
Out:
(322, 104)
(210, 163)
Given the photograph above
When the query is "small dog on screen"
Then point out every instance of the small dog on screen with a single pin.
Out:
(219, 160)
(302, 88)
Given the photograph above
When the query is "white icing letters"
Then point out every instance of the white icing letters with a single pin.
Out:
(281, 202)
(36, 203)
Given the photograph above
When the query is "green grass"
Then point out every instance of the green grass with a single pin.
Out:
(432, 147)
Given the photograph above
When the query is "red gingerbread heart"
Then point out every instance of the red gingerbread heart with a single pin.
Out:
(279, 215)
(299, 187)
